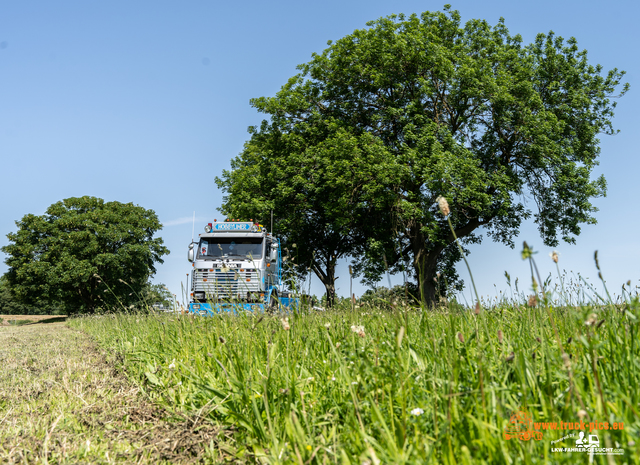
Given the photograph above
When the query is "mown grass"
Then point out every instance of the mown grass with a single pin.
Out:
(62, 402)
(406, 385)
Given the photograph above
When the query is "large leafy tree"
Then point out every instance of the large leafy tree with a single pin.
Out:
(504, 131)
(84, 253)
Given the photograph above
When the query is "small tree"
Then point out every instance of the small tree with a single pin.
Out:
(85, 253)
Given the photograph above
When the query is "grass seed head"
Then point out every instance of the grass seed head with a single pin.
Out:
(533, 301)
(461, 337)
(554, 256)
(443, 205)
(285, 324)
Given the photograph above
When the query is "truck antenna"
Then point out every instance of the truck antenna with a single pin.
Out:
(193, 229)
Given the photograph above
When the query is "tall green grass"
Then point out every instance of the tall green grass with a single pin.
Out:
(410, 386)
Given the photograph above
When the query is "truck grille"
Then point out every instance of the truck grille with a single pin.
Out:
(232, 284)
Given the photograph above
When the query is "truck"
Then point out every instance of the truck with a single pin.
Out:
(237, 265)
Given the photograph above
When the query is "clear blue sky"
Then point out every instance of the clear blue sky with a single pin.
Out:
(146, 102)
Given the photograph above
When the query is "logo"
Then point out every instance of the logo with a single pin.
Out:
(592, 443)
(521, 427)
(581, 435)
(587, 443)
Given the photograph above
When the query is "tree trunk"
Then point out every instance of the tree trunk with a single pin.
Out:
(426, 267)
(426, 271)
(327, 277)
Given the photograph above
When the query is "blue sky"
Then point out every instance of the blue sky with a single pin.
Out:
(147, 102)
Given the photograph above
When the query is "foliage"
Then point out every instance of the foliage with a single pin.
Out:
(412, 108)
(296, 188)
(383, 297)
(9, 305)
(84, 253)
(156, 294)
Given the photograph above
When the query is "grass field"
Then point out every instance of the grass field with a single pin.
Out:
(405, 385)
(63, 402)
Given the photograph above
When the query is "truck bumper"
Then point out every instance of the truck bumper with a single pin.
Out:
(210, 309)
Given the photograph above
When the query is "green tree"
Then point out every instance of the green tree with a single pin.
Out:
(155, 294)
(316, 193)
(467, 112)
(84, 253)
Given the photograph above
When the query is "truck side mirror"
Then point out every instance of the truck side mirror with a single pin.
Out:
(190, 256)
(274, 254)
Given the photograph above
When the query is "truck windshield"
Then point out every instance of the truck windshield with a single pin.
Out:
(221, 247)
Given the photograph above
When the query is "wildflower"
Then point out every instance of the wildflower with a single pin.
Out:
(461, 337)
(293, 246)
(554, 256)
(582, 414)
(591, 320)
(285, 324)
(443, 205)
(417, 412)
(172, 365)
(533, 301)
(500, 336)
(333, 378)
(309, 448)
(359, 330)
(338, 345)
(327, 325)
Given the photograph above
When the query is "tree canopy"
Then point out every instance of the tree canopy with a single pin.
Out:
(361, 143)
(84, 253)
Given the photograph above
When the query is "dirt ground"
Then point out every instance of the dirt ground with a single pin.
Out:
(63, 401)
(33, 318)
